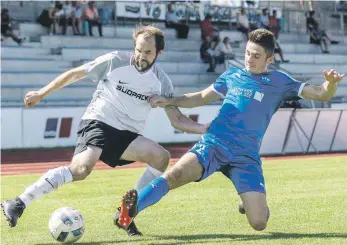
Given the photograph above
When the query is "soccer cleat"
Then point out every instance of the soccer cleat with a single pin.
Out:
(131, 229)
(13, 209)
(128, 209)
(241, 208)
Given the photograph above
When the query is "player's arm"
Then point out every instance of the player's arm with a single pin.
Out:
(326, 91)
(33, 97)
(189, 100)
(183, 123)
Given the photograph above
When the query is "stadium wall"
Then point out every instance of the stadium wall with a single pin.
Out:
(290, 131)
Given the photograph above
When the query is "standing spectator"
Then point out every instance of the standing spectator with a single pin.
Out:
(264, 20)
(6, 26)
(172, 21)
(243, 23)
(207, 28)
(274, 24)
(90, 14)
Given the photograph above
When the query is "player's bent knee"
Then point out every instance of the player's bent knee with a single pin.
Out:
(258, 225)
(161, 160)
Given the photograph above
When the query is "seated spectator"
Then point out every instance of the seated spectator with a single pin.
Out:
(207, 28)
(264, 20)
(66, 17)
(72, 16)
(90, 14)
(172, 21)
(317, 35)
(6, 26)
(243, 23)
(47, 17)
(59, 16)
(206, 53)
(76, 16)
(278, 50)
(223, 51)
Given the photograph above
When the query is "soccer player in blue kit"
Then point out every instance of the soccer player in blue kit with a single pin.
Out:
(232, 143)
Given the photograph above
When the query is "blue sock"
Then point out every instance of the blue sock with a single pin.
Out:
(152, 193)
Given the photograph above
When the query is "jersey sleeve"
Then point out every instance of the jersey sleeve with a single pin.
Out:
(166, 84)
(220, 86)
(292, 89)
(98, 69)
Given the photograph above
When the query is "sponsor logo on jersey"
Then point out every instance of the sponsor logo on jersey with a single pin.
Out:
(132, 93)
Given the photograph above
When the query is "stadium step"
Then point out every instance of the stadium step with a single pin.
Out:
(114, 43)
(14, 65)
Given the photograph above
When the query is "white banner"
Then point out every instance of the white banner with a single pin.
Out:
(304, 131)
(147, 10)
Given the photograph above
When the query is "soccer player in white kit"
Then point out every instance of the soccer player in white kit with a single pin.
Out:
(110, 129)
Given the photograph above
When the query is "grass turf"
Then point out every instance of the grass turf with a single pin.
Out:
(307, 198)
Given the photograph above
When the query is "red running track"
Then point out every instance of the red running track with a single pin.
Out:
(30, 162)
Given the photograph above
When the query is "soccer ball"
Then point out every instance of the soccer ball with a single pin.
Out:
(66, 225)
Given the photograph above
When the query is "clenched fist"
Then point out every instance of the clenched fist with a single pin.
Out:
(32, 98)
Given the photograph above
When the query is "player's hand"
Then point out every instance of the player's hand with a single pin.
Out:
(333, 76)
(32, 98)
(158, 101)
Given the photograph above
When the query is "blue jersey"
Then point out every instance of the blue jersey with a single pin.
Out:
(250, 100)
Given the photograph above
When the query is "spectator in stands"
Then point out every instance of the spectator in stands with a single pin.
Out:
(341, 6)
(76, 17)
(207, 28)
(90, 14)
(274, 24)
(6, 26)
(243, 23)
(278, 50)
(59, 16)
(66, 17)
(223, 51)
(172, 21)
(47, 17)
(317, 35)
(72, 15)
(264, 20)
(206, 53)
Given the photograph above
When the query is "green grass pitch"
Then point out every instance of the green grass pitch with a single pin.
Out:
(307, 199)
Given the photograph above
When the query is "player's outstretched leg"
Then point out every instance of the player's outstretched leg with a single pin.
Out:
(80, 167)
(186, 170)
(127, 211)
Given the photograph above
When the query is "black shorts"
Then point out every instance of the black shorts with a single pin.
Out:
(113, 141)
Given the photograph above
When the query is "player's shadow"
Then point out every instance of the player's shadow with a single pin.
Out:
(206, 238)
(116, 241)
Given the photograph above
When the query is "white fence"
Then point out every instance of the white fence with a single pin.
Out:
(290, 131)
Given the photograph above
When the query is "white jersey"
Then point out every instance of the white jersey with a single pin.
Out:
(120, 99)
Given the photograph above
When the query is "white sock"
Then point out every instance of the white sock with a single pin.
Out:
(48, 182)
(147, 177)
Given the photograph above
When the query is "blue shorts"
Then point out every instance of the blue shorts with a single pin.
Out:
(245, 172)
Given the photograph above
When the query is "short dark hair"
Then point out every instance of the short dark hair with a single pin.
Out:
(150, 31)
(263, 38)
